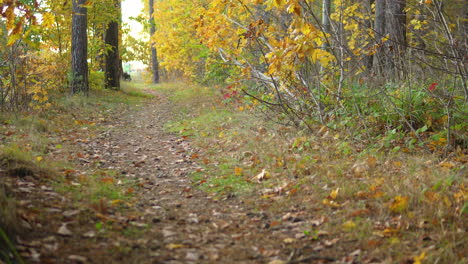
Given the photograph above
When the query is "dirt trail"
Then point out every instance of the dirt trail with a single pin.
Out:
(171, 221)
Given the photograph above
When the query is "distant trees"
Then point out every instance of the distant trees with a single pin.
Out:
(79, 49)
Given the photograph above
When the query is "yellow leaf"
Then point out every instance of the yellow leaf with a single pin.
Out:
(447, 165)
(238, 171)
(12, 39)
(175, 246)
(279, 2)
(418, 259)
(289, 240)
(48, 20)
(349, 225)
(399, 204)
(331, 203)
(39, 159)
(334, 194)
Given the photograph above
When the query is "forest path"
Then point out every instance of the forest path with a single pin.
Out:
(184, 225)
(168, 220)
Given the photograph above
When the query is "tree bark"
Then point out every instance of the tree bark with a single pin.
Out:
(113, 63)
(79, 63)
(326, 7)
(379, 31)
(368, 60)
(396, 29)
(154, 54)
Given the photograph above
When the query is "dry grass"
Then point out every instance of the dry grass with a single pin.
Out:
(393, 205)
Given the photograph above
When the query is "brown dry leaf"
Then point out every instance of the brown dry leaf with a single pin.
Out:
(289, 240)
(277, 261)
(77, 258)
(89, 234)
(275, 223)
(447, 164)
(330, 243)
(371, 162)
(359, 169)
(359, 213)
(70, 213)
(64, 231)
(262, 176)
(318, 222)
(108, 180)
(431, 196)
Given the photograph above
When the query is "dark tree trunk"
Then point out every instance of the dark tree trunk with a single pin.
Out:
(112, 73)
(379, 31)
(113, 63)
(396, 29)
(154, 54)
(368, 60)
(79, 63)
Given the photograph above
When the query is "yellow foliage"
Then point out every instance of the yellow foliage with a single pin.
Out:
(399, 204)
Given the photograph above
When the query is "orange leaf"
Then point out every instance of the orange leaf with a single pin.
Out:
(238, 171)
(108, 180)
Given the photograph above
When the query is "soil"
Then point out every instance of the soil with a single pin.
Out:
(169, 220)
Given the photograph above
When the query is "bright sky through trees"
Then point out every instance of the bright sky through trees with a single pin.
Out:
(132, 8)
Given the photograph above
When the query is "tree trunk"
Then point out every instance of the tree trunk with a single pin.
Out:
(79, 63)
(326, 7)
(368, 60)
(396, 29)
(154, 54)
(113, 64)
(379, 31)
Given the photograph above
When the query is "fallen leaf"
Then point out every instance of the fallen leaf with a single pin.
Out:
(359, 213)
(70, 213)
(107, 180)
(277, 261)
(175, 246)
(331, 203)
(399, 204)
(330, 243)
(334, 194)
(418, 259)
(89, 234)
(289, 240)
(238, 171)
(349, 225)
(64, 231)
(262, 175)
(77, 258)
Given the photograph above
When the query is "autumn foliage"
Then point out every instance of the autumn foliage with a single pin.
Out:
(345, 74)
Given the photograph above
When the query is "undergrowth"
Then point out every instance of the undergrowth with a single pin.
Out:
(397, 203)
(34, 146)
